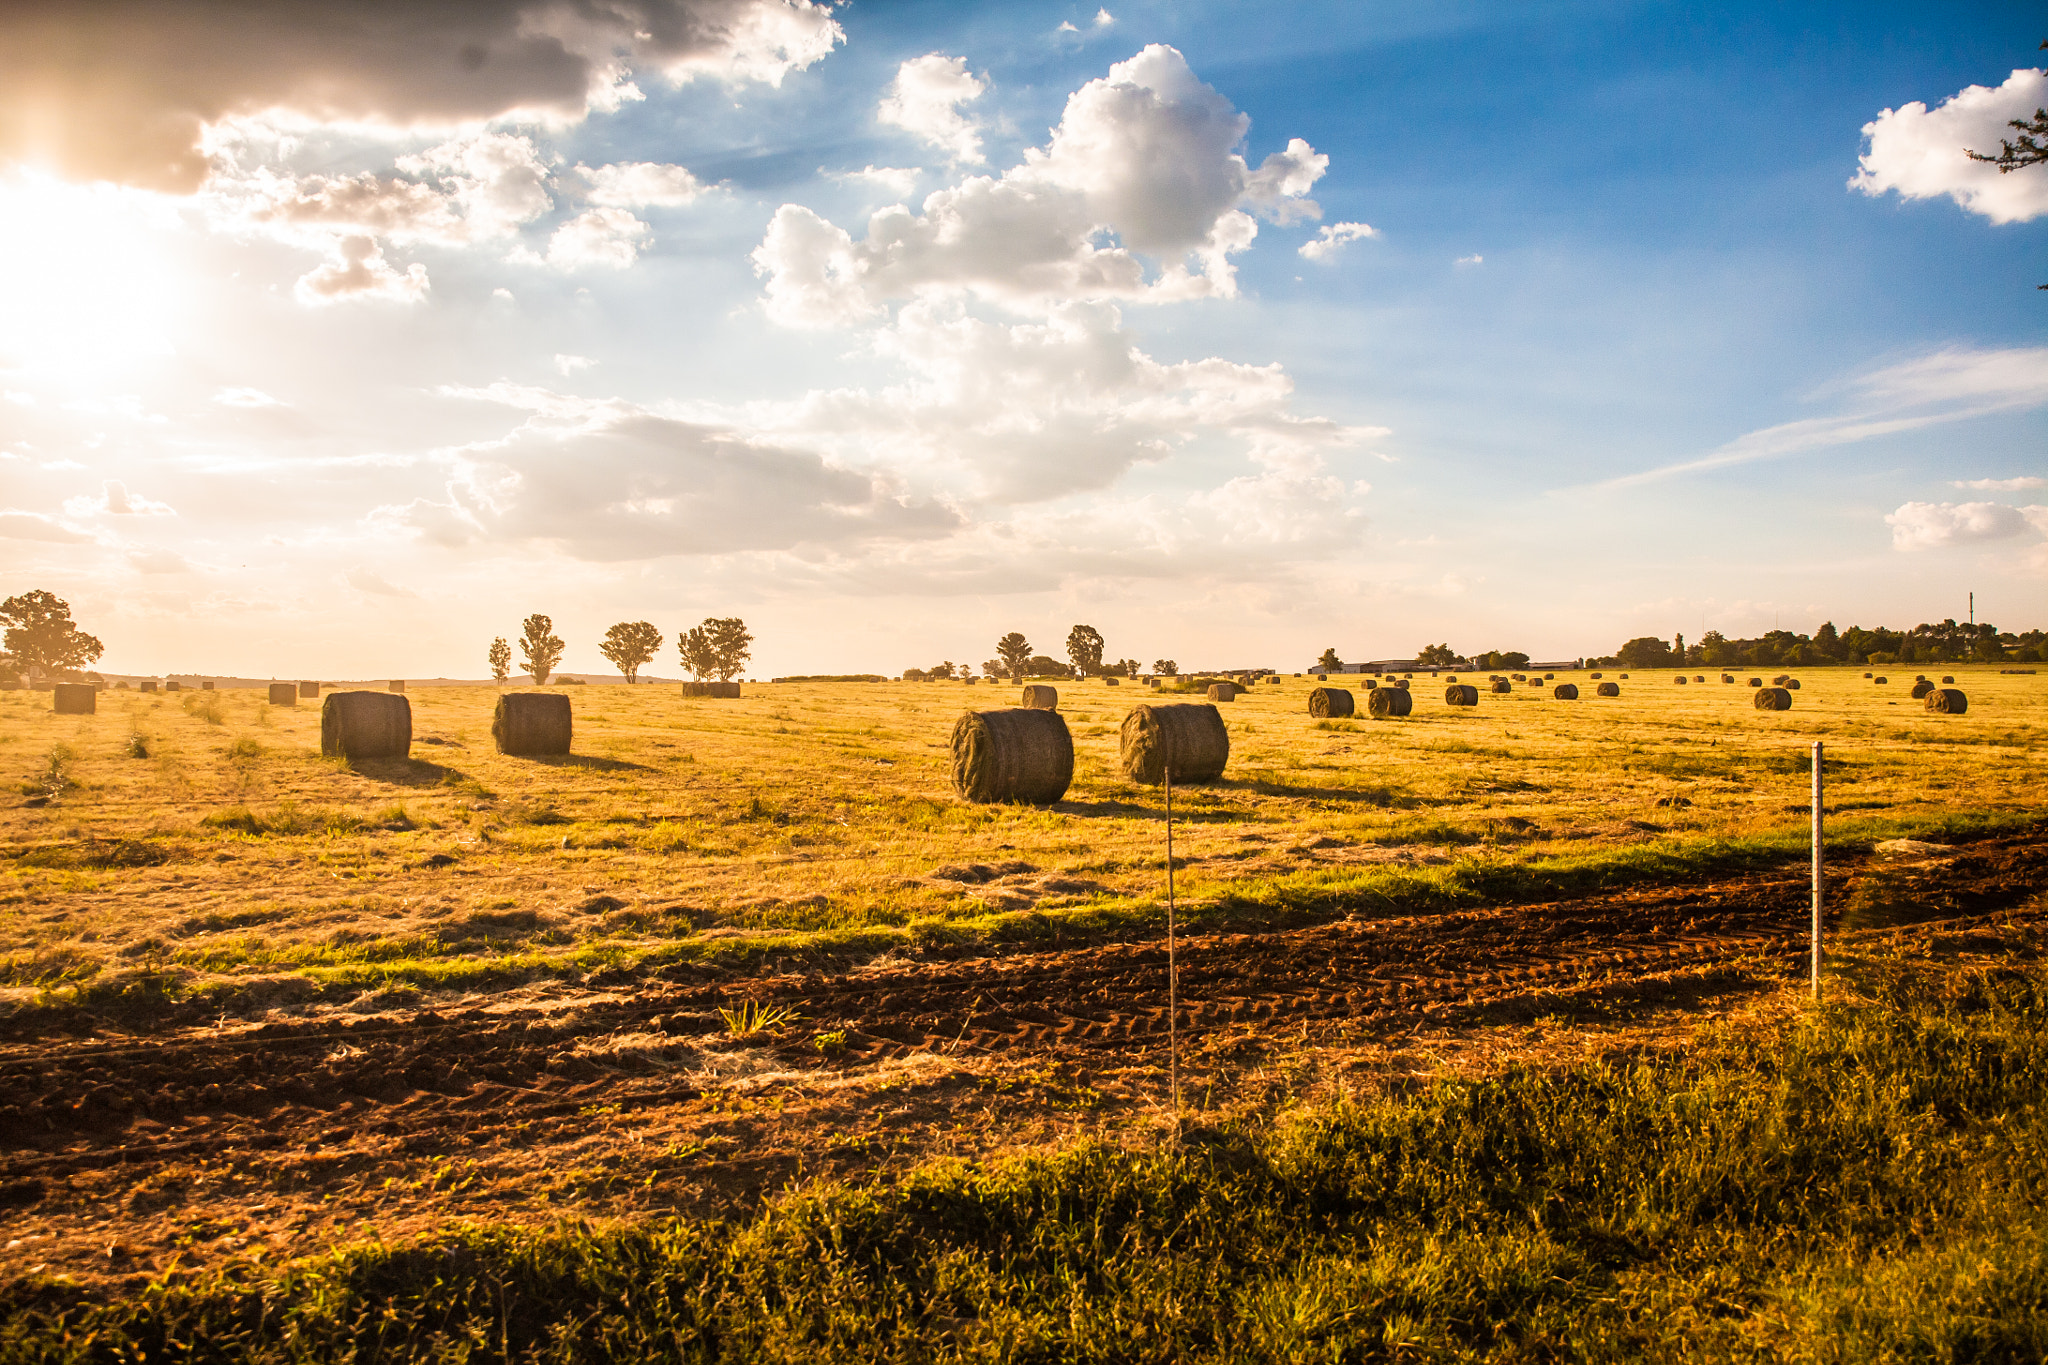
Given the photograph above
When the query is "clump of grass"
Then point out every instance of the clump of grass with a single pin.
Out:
(1867, 1182)
(138, 745)
(206, 706)
(831, 1044)
(55, 779)
(752, 1018)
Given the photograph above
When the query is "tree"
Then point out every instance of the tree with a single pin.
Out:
(1167, 667)
(1645, 651)
(629, 644)
(2030, 149)
(732, 644)
(1129, 668)
(40, 633)
(698, 654)
(1084, 648)
(944, 670)
(1330, 663)
(540, 649)
(1015, 652)
(501, 660)
(1045, 666)
(1437, 656)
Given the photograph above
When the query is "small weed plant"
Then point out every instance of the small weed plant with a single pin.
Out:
(753, 1018)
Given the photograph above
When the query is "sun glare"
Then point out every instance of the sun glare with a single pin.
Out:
(86, 286)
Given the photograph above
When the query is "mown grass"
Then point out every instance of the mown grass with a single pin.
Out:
(1864, 1182)
(818, 817)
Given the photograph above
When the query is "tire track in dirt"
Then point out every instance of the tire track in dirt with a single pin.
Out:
(71, 1105)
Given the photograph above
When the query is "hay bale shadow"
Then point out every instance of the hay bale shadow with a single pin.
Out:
(587, 761)
(405, 772)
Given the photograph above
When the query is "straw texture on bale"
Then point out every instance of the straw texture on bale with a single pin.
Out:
(284, 694)
(1389, 701)
(1189, 738)
(1921, 689)
(1565, 692)
(74, 699)
(1020, 753)
(532, 723)
(1502, 685)
(1461, 694)
(1332, 701)
(1041, 696)
(148, 685)
(1773, 699)
(309, 690)
(365, 725)
(1222, 691)
(1948, 701)
(1607, 689)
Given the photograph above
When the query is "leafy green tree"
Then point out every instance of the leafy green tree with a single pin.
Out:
(1015, 652)
(1045, 666)
(1129, 668)
(699, 656)
(540, 649)
(1084, 648)
(1437, 656)
(732, 644)
(1167, 667)
(501, 660)
(1645, 651)
(40, 633)
(1330, 663)
(944, 670)
(629, 645)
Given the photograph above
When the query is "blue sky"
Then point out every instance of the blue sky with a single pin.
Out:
(371, 377)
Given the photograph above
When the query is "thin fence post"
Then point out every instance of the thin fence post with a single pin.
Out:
(1172, 963)
(1819, 886)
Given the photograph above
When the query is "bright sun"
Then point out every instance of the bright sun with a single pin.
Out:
(86, 286)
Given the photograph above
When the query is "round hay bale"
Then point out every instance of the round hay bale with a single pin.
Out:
(1595, 677)
(1520, 677)
(1624, 677)
(1781, 680)
(530, 723)
(1500, 685)
(1947, 701)
(1727, 677)
(1332, 701)
(1402, 684)
(1565, 692)
(1021, 753)
(148, 685)
(1112, 682)
(1222, 691)
(365, 725)
(1041, 697)
(1880, 681)
(397, 685)
(1756, 682)
(1461, 694)
(1773, 699)
(1607, 689)
(1919, 677)
(972, 681)
(309, 690)
(1450, 677)
(1947, 679)
(1922, 688)
(284, 694)
(1189, 738)
(74, 699)
(1866, 675)
(1371, 683)
(1550, 677)
(1792, 684)
(1389, 701)
(1699, 677)
(1680, 680)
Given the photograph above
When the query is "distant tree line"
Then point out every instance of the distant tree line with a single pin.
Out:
(717, 649)
(1944, 642)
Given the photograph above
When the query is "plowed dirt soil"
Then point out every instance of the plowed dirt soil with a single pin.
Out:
(126, 1150)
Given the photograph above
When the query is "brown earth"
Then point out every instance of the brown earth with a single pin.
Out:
(124, 1152)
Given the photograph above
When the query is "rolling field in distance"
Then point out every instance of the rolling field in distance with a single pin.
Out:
(197, 844)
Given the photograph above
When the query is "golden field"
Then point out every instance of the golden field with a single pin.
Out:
(198, 842)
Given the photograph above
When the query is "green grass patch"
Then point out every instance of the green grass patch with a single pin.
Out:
(1870, 1182)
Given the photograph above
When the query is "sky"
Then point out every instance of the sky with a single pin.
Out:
(336, 340)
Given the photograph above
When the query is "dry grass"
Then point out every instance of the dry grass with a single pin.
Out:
(203, 841)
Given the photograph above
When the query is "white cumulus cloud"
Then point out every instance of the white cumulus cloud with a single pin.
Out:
(1144, 164)
(1329, 239)
(1923, 153)
(2020, 484)
(1936, 525)
(926, 100)
(598, 237)
(359, 271)
(640, 184)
